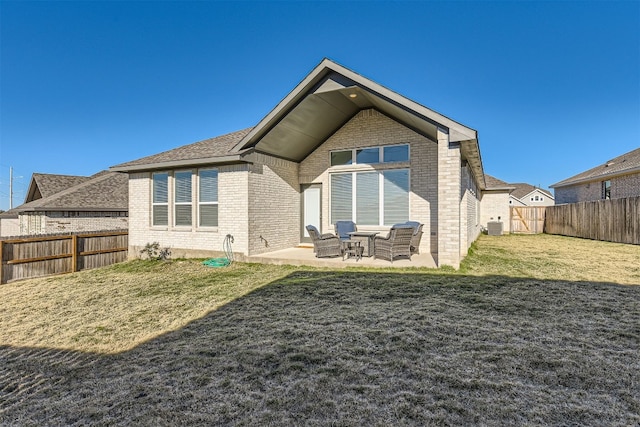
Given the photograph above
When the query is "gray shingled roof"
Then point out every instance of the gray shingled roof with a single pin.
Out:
(494, 183)
(50, 184)
(104, 191)
(628, 162)
(211, 148)
(522, 189)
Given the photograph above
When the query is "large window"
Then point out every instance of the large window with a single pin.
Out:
(184, 205)
(208, 198)
(371, 197)
(160, 199)
(371, 155)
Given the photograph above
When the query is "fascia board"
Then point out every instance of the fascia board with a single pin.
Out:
(181, 163)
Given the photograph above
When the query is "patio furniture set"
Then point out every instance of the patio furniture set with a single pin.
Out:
(403, 240)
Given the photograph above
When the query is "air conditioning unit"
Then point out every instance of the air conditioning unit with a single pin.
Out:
(494, 228)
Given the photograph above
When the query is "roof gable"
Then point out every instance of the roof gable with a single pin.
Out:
(101, 192)
(329, 97)
(626, 163)
(522, 190)
(45, 185)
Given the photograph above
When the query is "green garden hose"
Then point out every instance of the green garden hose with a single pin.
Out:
(223, 261)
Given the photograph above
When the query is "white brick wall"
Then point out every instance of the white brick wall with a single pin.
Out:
(495, 207)
(192, 241)
(274, 212)
(449, 199)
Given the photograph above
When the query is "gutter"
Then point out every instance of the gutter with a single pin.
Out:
(173, 164)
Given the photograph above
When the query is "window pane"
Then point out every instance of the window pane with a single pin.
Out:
(341, 158)
(183, 187)
(208, 215)
(160, 215)
(160, 187)
(209, 185)
(396, 196)
(368, 155)
(341, 201)
(367, 198)
(396, 153)
(183, 215)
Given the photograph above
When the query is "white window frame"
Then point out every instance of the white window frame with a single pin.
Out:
(176, 203)
(158, 204)
(380, 148)
(201, 203)
(354, 192)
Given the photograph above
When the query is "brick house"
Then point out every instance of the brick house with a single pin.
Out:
(614, 179)
(338, 146)
(67, 203)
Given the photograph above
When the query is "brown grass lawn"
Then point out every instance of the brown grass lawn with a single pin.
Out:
(531, 330)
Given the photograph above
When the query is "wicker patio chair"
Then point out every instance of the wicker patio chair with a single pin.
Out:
(396, 244)
(417, 236)
(343, 228)
(324, 245)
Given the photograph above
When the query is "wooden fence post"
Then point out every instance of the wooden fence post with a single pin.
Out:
(74, 253)
(1, 261)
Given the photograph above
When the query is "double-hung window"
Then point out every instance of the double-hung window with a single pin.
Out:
(183, 198)
(160, 199)
(208, 198)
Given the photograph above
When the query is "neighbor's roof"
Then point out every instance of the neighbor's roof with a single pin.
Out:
(328, 97)
(45, 185)
(494, 183)
(621, 165)
(104, 191)
(523, 189)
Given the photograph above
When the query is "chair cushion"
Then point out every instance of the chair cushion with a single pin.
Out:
(343, 228)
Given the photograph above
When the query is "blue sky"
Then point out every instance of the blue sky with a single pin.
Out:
(553, 88)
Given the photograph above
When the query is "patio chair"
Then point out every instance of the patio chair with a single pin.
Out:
(343, 228)
(396, 244)
(324, 245)
(417, 236)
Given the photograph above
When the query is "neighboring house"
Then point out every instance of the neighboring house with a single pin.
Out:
(527, 195)
(60, 203)
(495, 203)
(338, 147)
(617, 178)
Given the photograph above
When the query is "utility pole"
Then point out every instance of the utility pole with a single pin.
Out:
(11, 187)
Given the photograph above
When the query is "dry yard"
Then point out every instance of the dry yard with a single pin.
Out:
(531, 330)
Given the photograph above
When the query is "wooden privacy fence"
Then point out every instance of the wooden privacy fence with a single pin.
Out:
(527, 219)
(38, 256)
(616, 220)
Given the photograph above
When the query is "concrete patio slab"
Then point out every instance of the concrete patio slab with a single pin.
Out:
(305, 256)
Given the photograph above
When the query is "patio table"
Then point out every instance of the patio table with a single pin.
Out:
(366, 240)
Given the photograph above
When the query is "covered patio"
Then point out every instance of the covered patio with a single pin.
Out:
(303, 255)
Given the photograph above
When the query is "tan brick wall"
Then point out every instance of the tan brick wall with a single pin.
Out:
(621, 186)
(371, 128)
(274, 212)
